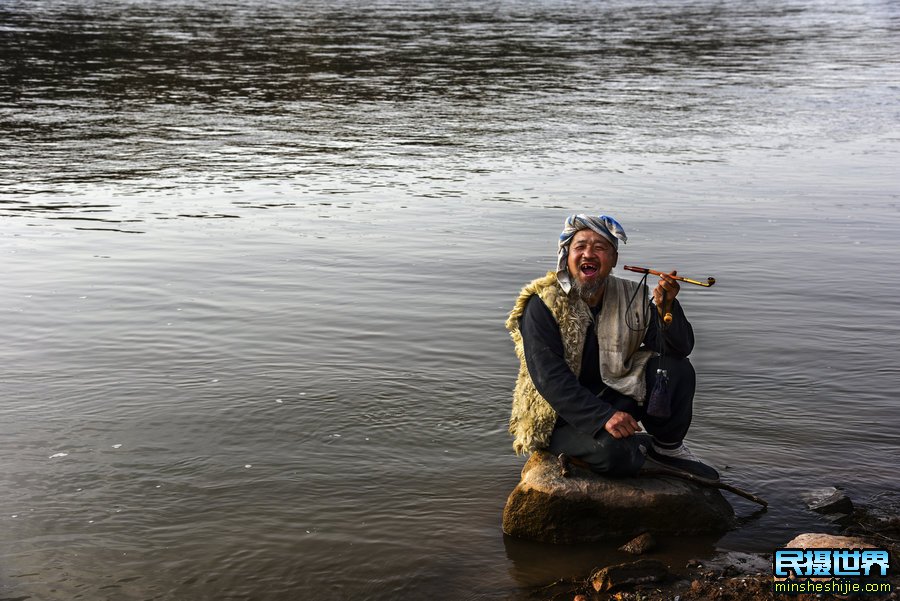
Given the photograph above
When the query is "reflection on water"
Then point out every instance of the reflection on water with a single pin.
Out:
(257, 258)
(167, 94)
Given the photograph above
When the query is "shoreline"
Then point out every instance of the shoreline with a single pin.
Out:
(736, 576)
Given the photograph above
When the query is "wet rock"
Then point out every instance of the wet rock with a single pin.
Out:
(588, 507)
(640, 544)
(694, 563)
(628, 574)
(841, 519)
(815, 540)
(828, 500)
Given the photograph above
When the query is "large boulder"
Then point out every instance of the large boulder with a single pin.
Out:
(587, 507)
(818, 540)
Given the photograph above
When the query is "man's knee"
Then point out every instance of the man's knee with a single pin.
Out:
(682, 381)
(682, 371)
(678, 370)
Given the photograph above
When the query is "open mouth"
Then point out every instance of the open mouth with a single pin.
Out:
(589, 269)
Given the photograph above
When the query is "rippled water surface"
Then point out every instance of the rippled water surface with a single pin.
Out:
(257, 259)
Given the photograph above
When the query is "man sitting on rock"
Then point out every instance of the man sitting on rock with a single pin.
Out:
(589, 350)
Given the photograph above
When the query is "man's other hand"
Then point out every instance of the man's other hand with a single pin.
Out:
(666, 290)
(621, 425)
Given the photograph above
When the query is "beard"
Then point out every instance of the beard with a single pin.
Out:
(586, 290)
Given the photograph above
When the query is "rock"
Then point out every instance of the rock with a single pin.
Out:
(588, 507)
(628, 574)
(580, 598)
(815, 540)
(841, 519)
(828, 500)
(694, 563)
(639, 544)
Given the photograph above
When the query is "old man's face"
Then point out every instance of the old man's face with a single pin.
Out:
(591, 259)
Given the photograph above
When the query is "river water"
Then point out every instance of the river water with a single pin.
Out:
(257, 259)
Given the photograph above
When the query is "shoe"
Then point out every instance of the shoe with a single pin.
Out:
(682, 459)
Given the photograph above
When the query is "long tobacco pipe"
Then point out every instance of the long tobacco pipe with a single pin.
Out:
(709, 281)
(667, 318)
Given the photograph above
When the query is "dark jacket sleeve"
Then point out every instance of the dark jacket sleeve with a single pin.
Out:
(545, 359)
(679, 336)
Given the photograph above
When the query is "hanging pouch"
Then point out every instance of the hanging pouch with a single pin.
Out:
(660, 403)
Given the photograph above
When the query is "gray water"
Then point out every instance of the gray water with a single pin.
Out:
(257, 259)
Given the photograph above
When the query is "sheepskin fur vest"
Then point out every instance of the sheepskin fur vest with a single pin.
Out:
(621, 363)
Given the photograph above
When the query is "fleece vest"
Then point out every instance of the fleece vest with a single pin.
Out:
(621, 363)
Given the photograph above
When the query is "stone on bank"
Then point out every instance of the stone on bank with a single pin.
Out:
(588, 507)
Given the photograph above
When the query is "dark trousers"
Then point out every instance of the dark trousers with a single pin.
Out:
(621, 456)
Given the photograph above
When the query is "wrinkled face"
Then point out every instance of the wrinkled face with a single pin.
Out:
(591, 258)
